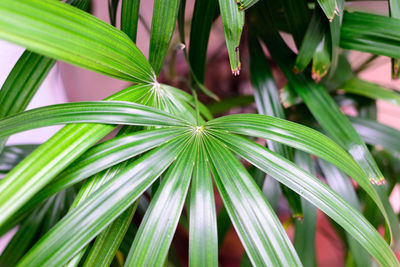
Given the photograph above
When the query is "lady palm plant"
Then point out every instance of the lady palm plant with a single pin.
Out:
(74, 197)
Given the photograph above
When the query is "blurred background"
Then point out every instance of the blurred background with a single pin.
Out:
(67, 83)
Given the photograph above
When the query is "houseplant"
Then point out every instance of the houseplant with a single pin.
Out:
(74, 198)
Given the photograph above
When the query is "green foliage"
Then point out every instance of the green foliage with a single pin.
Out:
(80, 200)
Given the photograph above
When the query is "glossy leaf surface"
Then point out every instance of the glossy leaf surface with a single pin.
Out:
(62, 32)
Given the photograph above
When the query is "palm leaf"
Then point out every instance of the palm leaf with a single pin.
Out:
(165, 13)
(245, 4)
(232, 22)
(258, 227)
(51, 158)
(371, 90)
(130, 17)
(370, 33)
(375, 133)
(94, 214)
(313, 36)
(12, 155)
(104, 248)
(107, 112)
(314, 191)
(152, 241)
(86, 41)
(291, 134)
(329, 7)
(203, 239)
(305, 230)
(202, 19)
(297, 17)
(112, 11)
(266, 95)
(342, 185)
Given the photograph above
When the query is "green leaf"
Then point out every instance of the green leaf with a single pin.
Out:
(90, 186)
(371, 33)
(266, 94)
(181, 22)
(40, 167)
(375, 133)
(336, 124)
(22, 82)
(394, 12)
(245, 4)
(332, 120)
(228, 103)
(107, 243)
(109, 153)
(26, 77)
(62, 32)
(112, 11)
(338, 181)
(157, 228)
(371, 90)
(291, 134)
(335, 27)
(105, 112)
(314, 191)
(21, 241)
(329, 7)
(313, 36)
(165, 13)
(177, 93)
(310, 141)
(297, 17)
(99, 158)
(258, 227)
(202, 19)
(95, 213)
(81, 4)
(304, 235)
(223, 225)
(12, 155)
(321, 59)
(232, 22)
(130, 17)
(203, 237)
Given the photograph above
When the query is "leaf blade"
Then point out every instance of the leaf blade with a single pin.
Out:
(314, 191)
(165, 13)
(203, 237)
(261, 233)
(130, 17)
(89, 218)
(152, 241)
(232, 23)
(104, 112)
(83, 43)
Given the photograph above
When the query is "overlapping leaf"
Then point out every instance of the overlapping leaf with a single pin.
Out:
(314, 191)
(59, 31)
(257, 225)
(165, 13)
(232, 22)
(93, 215)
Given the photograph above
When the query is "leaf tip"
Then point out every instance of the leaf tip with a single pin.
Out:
(336, 12)
(296, 70)
(318, 75)
(240, 5)
(298, 216)
(236, 72)
(380, 181)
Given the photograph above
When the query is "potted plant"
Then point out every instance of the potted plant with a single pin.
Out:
(79, 199)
